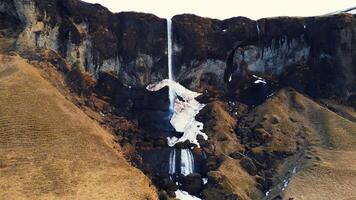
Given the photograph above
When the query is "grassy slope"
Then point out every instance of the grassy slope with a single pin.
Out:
(49, 149)
(331, 174)
(328, 168)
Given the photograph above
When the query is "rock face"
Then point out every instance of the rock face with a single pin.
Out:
(207, 52)
(130, 45)
(315, 47)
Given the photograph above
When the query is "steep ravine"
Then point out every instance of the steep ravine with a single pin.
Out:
(258, 130)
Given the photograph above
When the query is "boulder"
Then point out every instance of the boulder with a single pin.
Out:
(248, 165)
(193, 184)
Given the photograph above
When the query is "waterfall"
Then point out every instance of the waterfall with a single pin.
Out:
(186, 162)
(169, 54)
(258, 29)
(172, 162)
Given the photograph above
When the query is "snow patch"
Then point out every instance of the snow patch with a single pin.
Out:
(205, 180)
(183, 195)
(184, 112)
(259, 80)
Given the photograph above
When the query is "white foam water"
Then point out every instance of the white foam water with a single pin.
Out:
(172, 162)
(187, 162)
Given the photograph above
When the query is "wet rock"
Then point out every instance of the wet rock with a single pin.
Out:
(264, 183)
(212, 163)
(171, 194)
(236, 155)
(202, 142)
(193, 183)
(185, 145)
(168, 185)
(247, 164)
(163, 195)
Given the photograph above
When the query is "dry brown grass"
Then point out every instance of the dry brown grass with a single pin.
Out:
(49, 149)
(331, 173)
(220, 128)
(234, 178)
(329, 166)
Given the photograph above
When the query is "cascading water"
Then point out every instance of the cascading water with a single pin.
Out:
(172, 162)
(169, 55)
(187, 162)
(182, 117)
(258, 29)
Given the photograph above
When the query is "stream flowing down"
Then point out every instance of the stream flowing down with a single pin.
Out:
(169, 55)
(172, 162)
(184, 112)
(187, 162)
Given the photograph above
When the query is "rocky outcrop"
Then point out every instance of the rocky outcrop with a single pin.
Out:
(131, 46)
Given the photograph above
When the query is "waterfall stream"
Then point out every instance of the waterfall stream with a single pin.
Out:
(182, 117)
(187, 162)
(172, 162)
(169, 55)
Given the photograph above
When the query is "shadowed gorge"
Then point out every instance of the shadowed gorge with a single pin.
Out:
(101, 105)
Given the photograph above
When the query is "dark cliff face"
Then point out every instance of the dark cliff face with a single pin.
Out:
(208, 54)
(315, 50)
(113, 34)
(129, 45)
